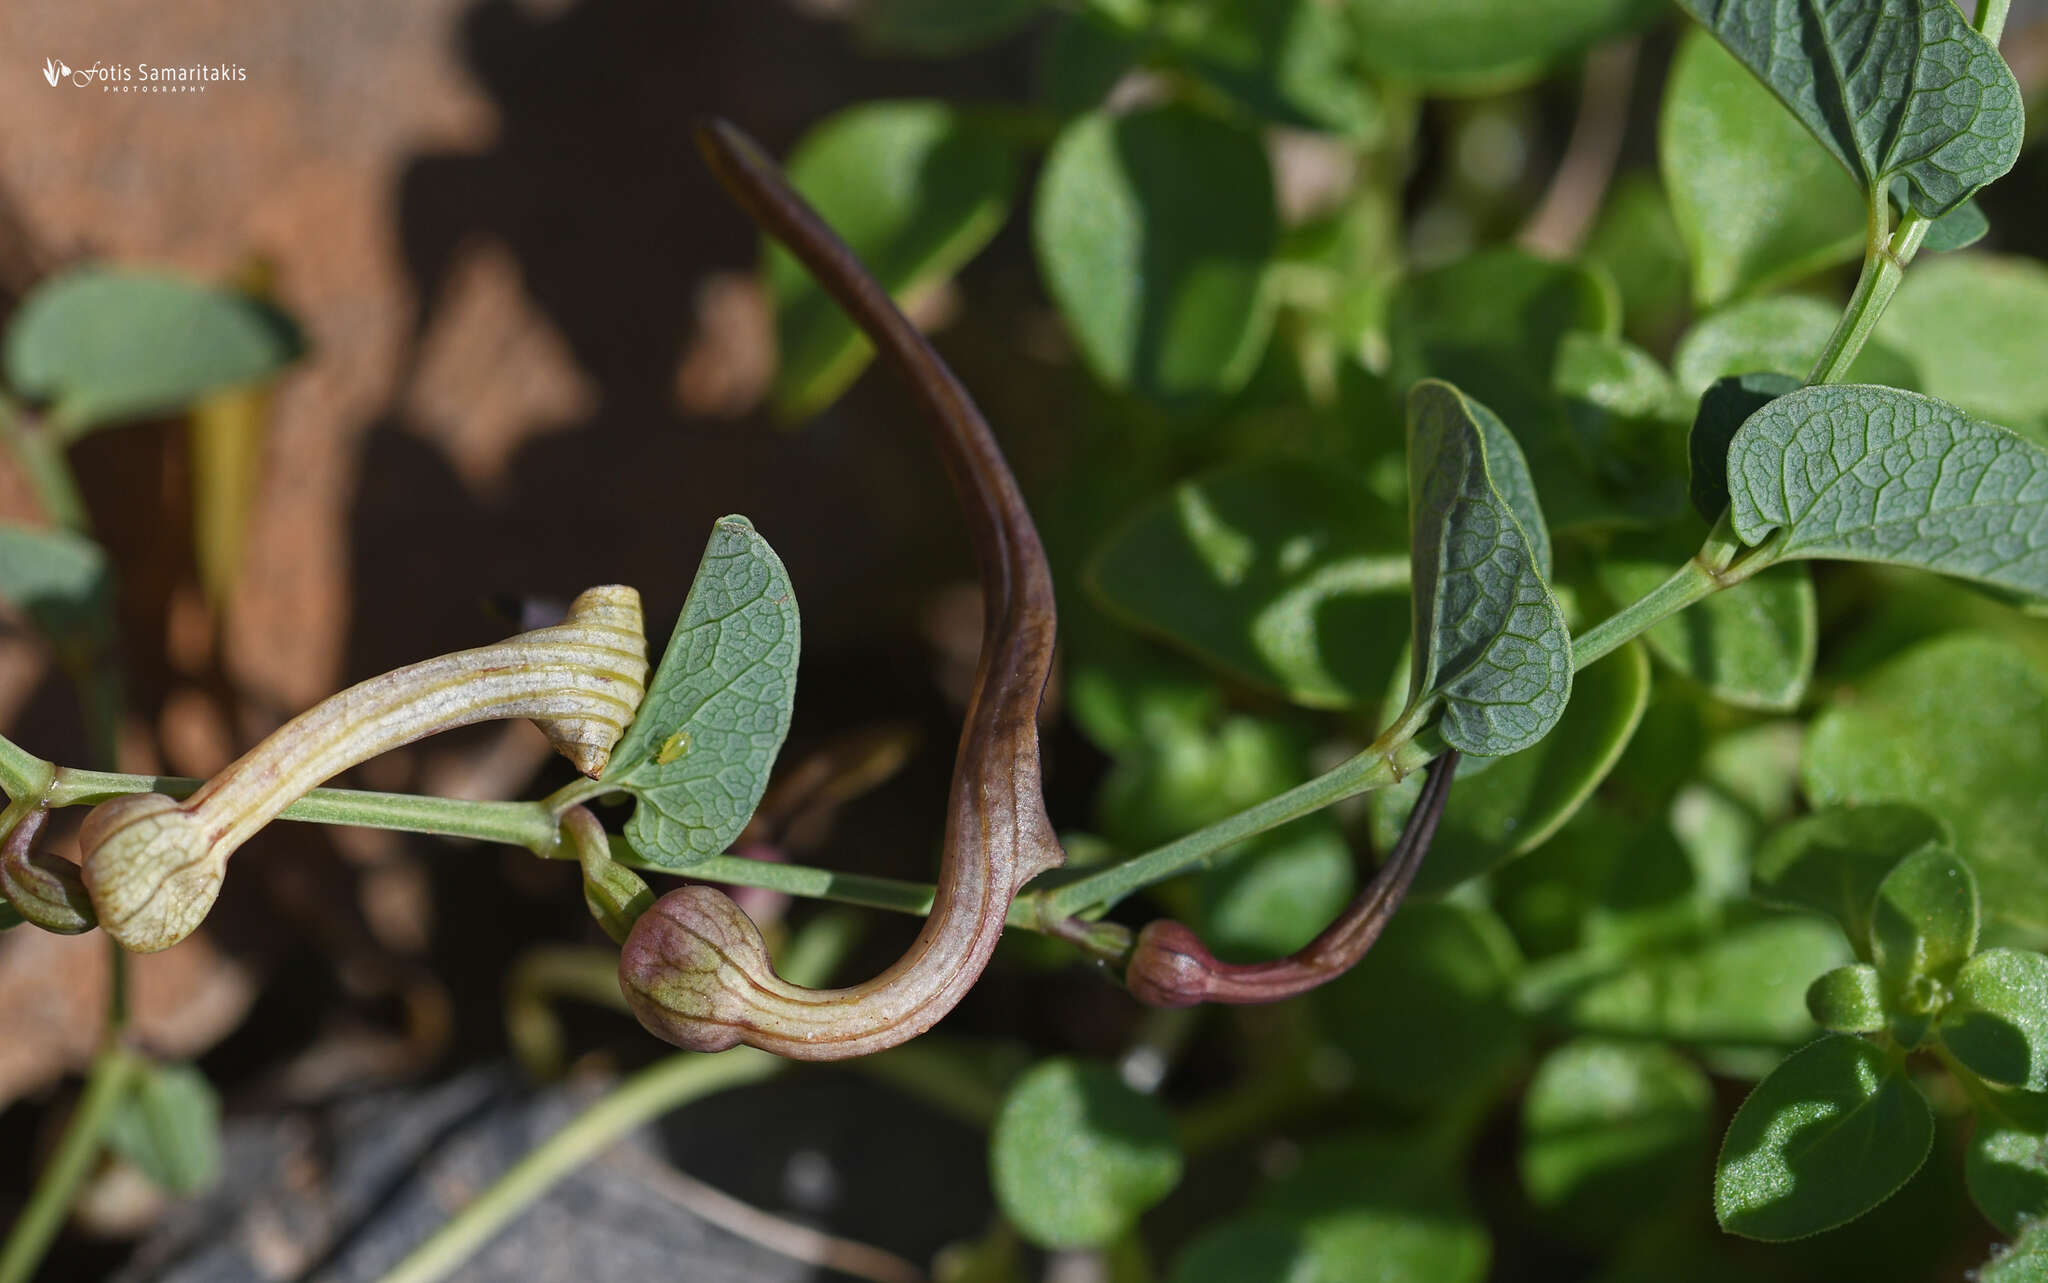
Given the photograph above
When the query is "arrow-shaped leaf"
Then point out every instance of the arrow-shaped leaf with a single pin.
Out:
(1490, 641)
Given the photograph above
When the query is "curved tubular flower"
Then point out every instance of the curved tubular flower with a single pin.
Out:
(1170, 967)
(694, 968)
(154, 865)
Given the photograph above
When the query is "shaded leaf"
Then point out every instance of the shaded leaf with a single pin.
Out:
(1758, 201)
(1636, 241)
(1076, 1156)
(1746, 985)
(1751, 645)
(1610, 1130)
(1892, 87)
(698, 754)
(1997, 1022)
(1972, 324)
(1287, 575)
(2007, 1162)
(1875, 474)
(1958, 727)
(1830, 1134)
(1781, 334)
(1490, 640)
(169, 1126)
(1924, 923)
(1426, 1016)
(1380, 1210)
(1292, 62)
(1480, 46)
(1277, 896)
(60, 581)
(916, 189)
(103, 344)
(1153, 232)
(1833, 860)
(1724, 407)
(941, 28)
(1960, 228)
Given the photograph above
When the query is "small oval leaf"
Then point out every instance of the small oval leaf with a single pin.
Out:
(1830, 1134)
(1997, 1022)
(1076, 1156)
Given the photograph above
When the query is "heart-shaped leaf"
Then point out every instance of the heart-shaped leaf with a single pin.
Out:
(1490, 641)
(698, 754)
(1894, 88)
(1875, 474)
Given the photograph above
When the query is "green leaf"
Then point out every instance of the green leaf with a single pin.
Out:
(940, 28)
(1292, 62)
(1153, 232)
(102, 344)
(1380, 1210)
(1833, 1132)
(1289, 576)
(1751, 646)
(1615, 376)
(1848, 1000)
(1494, 325)
(1277, 896)
(169, 1126)
(1997, 1022)
(1925, 921)
(916, 189)
(1611, 886)
(1490, 640)
(1482, 46)
(1610, 1130)
(1425, 1016)
(1876, 474)
(1901, 88)
(1746, 985)
(1076, 1156)
(1783, 334)
(698, 754)
(1971, 323)
(60, 581)
(1724, 407)
(1085, 56)
(1832, 861)
(1960, 228)
(1636, 241)
(1758, 201)
(2025, 1260)
(1959, 727)
(1249, 1250)
(1519, 801)
(2007, 1162)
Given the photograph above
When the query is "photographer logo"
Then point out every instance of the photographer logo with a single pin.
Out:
(142, 77)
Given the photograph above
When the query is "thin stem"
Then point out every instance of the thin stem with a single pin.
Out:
(1875, 285)
(1690, 583)
(113, 1070)
(40, 451)
(647, 1095)
(1386, 762)
(525, 824)
(24, 775)
(1991, 18)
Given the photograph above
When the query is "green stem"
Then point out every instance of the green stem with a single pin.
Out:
(1384, 763)
(1991, 18)
(22, 773)
(526, 824)
(113, 1070)
(1875, 285)
(40, 451)
(647, 1095)
(1689, 584)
